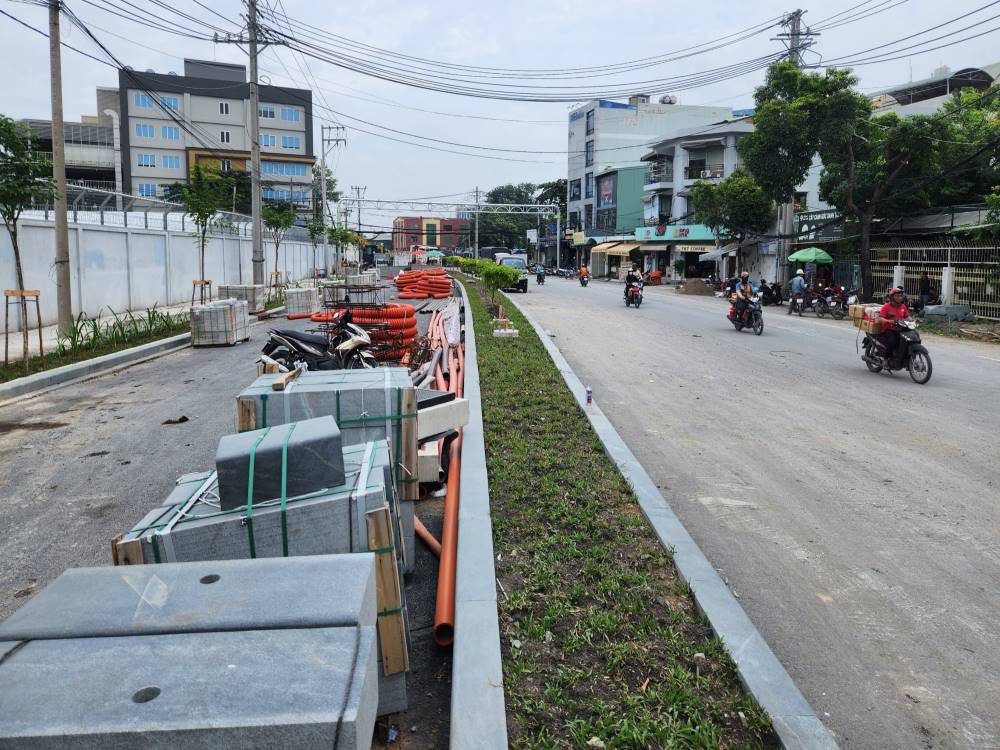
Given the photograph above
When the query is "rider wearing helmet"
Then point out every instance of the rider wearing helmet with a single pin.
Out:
(798, 286)
(893, 310)
(742, 294)
(634, 274)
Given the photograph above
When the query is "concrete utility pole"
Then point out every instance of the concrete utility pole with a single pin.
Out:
(477, 221)
(255, 197)
(64, 300)
(359, 193)
(333, 140)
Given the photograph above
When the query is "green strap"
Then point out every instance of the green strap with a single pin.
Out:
(387, 612)
(381, 550)
(156, 548)
(249, 515)
(284, 488)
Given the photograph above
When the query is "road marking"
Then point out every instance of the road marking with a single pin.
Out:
(725, 501)
(991, 359)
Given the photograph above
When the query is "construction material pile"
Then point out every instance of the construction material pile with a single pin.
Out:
(302, 302)
(223, 322)
(427, 283)
(392, 328)
(253, 293)
(866, 317)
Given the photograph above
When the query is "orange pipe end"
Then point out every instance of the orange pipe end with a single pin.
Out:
(426, 536)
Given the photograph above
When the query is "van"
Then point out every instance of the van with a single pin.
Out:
(519, 262)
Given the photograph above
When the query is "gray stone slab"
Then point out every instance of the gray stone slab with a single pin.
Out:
(288, 460)
(196, 597)
(249, 689)
(949, 312)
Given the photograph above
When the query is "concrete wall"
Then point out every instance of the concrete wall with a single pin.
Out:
(134, 269)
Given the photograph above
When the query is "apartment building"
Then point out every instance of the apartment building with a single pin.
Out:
(446, 234)
(604, 134)
(169, 122)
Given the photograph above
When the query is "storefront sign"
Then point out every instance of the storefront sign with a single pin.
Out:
(674, 233)
(819, 226)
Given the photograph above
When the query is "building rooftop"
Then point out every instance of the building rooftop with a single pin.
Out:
(73, 132)
(701, 133)
(942, 83)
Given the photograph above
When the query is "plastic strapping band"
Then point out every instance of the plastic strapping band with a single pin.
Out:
(387, 612)
(284, 488)
(249, 515)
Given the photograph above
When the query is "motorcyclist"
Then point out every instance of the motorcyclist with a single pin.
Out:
(798, 287)
(539, 272)
(634, 274)
(584, 271)
(893, 311)
(742, 294)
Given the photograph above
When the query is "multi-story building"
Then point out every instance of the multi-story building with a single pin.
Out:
(605, 134)
(169, 123)
(89, 149)
(446, 234)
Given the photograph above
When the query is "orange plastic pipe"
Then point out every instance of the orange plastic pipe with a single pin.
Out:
(444, 610)
(426, 536)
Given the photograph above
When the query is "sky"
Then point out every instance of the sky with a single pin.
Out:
(515, 34)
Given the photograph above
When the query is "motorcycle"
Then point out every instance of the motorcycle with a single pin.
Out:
(633, 294)
(346, 350)
(752, 316)
(540, 277)
(771, 295)
(797, 303)
(914, 357)
(584, 280)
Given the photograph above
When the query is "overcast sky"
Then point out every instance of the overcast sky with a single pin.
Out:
(515, 34)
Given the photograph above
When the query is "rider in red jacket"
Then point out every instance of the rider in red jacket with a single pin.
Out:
(893, 310)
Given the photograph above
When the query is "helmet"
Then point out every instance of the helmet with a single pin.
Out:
(895, 290)
(745, 275)
(800, 272)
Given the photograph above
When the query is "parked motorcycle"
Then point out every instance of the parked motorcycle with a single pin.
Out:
(633, 295)
(771, 295)
(347, 350)
(914, 357)
(797, 303)
(752, 316)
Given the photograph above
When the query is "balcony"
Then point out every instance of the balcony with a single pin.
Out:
(705, 172)
(659, 175)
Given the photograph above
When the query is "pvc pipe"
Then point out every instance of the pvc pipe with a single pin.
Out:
(444, 610)
(426, 536)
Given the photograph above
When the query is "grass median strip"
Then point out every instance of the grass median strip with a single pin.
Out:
(600, 637)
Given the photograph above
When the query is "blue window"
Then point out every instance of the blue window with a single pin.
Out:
(142, 130)
(145, 101)
(170, 133)
(147, 189)
(267, 140)
(170, 102)
(145, 160)
(283, 169)
(170, 162)
(266, 111)
(291, 141)
(285, 195)
(289, 114)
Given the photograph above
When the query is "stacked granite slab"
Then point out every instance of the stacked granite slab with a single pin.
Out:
(304, 301)
(254, 654)
(220, 323)
(191, 525)
(367, 405)
(254, 294)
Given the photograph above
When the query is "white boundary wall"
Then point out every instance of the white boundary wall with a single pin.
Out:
(134, 268)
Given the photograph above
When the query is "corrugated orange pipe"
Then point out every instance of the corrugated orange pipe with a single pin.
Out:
(444, 612)
(426, 536)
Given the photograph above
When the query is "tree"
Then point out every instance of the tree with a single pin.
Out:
(973, 120)
(25, 180)
(872, 166)
(278, 217)
(332, 194)
(317, 229)
(554, 193)
(203, 197)
(508, 230)
(735, 209)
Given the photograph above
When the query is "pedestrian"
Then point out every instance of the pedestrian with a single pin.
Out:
(924, 287)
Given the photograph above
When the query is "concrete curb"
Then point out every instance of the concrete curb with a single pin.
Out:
(761, 673)
(40, 382)
(478, 710)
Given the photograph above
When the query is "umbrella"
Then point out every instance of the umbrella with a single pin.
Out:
(810, 255)
(434, 254)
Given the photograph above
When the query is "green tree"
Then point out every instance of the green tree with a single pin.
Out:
(203, 197)
(278, 217)
(508, 230)
(735, 209)
(332, 194)
(553, 194)
(25, 180)
(317, 229)
(973, 120)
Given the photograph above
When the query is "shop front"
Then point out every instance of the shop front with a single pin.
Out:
(674, 250)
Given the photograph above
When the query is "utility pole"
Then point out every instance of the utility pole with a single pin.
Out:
(64, 300)
(334, 140)
(255, 197)
(477, 221)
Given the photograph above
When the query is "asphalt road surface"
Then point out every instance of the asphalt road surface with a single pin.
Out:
(855, 516)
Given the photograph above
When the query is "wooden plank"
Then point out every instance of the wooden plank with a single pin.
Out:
(443, 417)
(391, 627)
(246, 414)
(271, 368)
(281, 382)
(410, 489)
(127, 552)
(21, 292)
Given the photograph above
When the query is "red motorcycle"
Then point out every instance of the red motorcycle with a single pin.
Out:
(633, 295)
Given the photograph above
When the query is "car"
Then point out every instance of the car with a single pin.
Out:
(518, 262)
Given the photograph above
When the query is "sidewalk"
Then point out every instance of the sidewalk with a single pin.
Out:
(50, 334)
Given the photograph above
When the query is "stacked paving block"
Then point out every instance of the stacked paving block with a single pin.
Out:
(250, 653)
(220, 323)
(254, 294)
(303, 301)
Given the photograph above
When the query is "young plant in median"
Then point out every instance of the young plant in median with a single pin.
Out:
(278, 218)
(25, 180)
(204, 196)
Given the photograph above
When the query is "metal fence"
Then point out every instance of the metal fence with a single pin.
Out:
(970, 271)
(86, 204)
